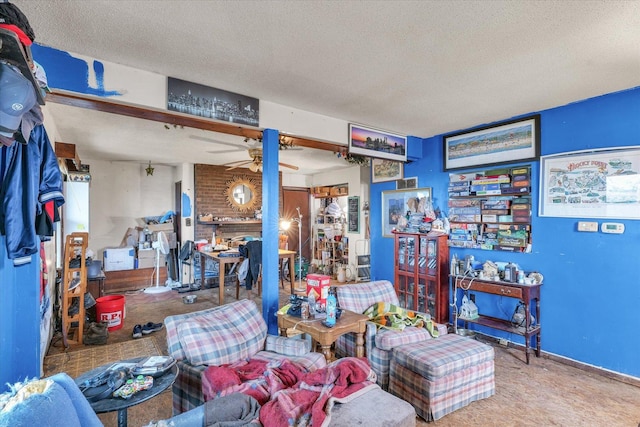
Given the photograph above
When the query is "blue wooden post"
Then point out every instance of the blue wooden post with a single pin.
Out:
(19, 319)
(270, 218)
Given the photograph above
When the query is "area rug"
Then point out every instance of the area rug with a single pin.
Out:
(76, 363)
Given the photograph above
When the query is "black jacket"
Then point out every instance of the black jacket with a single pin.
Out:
(253, 252)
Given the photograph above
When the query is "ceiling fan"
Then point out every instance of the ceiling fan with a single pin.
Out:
(285, 143)
(255, 164)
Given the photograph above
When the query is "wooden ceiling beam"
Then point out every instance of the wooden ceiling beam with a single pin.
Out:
(179, 119)
(70, 154)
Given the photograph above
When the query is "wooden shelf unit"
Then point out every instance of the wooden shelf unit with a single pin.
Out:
(491, 210)
(525, 293)
(75, 278)
(422, 273)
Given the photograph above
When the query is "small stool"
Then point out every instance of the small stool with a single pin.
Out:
(441, 375)
(365, 410)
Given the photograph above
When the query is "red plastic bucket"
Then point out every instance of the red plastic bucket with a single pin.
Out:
(110, 309)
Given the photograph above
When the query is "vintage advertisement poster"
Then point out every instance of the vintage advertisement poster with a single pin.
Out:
(597, 184)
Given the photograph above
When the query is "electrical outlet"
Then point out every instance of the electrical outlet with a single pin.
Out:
(589, 226)
(187, 222)
(504, 342)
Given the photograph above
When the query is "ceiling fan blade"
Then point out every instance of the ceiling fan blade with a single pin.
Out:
(225, 151)
(215, 141)
(238, 166)
(286, 165)
(238, 162)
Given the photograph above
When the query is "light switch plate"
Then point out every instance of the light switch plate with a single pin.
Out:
(590, 226)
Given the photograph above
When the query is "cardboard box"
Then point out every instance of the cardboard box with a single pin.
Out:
(165, 226)
(116, 259)
(147, 262)
(171, 238)
(146, 254)
(318, 284)
(147, 258)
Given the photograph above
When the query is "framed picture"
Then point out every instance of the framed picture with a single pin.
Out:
(506, 142)
(353, 214)
(396, 204)
(407, 183)
(602, 183)
(211, 103)
(386, 170)
(377, 143)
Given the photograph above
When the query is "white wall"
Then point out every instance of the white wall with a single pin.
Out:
(120, 194)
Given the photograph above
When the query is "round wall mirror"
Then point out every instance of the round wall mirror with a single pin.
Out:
(242, 194)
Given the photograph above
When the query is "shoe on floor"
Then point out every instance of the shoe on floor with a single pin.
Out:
(151, 327)
(137, 331)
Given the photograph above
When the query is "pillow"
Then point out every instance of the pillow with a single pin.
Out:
(388, 339)
(216, 338)
(287, 346)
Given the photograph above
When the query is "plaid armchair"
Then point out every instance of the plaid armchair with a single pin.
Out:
(221, 335)
(378, 343)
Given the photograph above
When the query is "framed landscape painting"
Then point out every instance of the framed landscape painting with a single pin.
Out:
(506, 142)
(377, 143)
(386, 170)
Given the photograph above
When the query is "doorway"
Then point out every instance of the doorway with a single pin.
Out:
(292, 198)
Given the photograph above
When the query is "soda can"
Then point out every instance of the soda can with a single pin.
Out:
(304, 310)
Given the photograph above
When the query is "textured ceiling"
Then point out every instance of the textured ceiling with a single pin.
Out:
(414, 67)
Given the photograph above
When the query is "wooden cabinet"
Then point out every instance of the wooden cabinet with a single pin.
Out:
(131, 280)
(422, 274)
(525, 293)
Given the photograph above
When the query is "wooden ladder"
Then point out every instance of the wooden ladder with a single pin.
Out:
(74, 286)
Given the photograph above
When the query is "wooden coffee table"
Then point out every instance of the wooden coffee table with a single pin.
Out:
(348, 322)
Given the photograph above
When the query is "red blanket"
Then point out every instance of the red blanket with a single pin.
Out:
(257, 378)
(289, 395)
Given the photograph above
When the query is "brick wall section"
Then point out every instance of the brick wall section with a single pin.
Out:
(210, 188)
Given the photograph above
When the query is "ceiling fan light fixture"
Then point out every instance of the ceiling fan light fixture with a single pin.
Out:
(149, 169)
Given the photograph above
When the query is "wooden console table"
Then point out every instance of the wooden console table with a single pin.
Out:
(131, 280)
(525, 293)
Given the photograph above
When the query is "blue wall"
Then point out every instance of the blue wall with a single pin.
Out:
(590, 299)
(19, 319)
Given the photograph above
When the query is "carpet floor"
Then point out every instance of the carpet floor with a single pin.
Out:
(75, 363)
(544, 393)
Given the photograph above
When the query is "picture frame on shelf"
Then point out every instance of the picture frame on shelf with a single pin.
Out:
(377, 143)
(396, 204)
(506, 142)
(598, 183)
(386, 170)
(407, 183)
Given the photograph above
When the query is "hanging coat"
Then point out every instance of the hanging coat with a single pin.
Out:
(29, 177)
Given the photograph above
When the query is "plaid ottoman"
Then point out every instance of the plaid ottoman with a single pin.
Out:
(441, 375)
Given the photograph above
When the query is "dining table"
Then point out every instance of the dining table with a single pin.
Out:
(223, 260)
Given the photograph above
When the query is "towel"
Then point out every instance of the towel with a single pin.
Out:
(391, 316)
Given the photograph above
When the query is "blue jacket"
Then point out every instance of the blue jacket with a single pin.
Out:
(29, 177)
